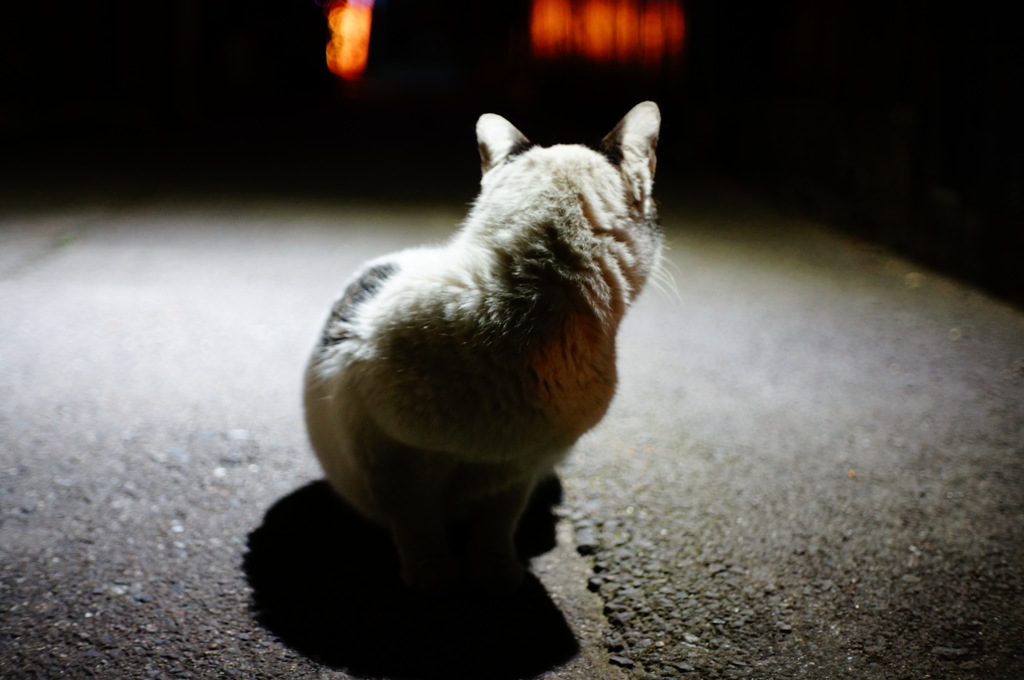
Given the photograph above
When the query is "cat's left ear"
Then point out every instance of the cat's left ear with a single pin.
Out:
(498, 139)
(632, 143)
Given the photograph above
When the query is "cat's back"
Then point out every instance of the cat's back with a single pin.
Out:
(502, 341)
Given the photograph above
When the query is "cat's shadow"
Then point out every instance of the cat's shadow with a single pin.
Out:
(326, 582)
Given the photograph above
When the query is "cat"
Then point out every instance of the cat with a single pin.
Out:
(449, 380)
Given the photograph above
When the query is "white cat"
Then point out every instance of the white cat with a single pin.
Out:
(450, 380)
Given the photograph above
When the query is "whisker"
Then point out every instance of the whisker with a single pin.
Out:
(663, 281)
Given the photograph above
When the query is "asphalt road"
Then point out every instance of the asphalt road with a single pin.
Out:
(813, 467)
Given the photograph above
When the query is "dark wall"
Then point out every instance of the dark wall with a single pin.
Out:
(898, 120)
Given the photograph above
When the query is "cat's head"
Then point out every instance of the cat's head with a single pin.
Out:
(629, 147)
(572, 204)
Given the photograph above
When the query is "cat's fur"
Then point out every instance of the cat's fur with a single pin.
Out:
(450, 380)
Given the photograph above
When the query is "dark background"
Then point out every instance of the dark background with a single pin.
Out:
(898, 121)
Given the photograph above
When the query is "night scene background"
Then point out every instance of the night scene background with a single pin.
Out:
(899, 121)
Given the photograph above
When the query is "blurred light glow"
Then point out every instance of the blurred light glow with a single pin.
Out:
(608, 31)
(349, 47)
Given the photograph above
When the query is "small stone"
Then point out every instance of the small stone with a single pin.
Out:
(136, 590)
(586, 542)
(716, 568)
(623, 661)
(950, 653)
(233, 457)
(621, 618)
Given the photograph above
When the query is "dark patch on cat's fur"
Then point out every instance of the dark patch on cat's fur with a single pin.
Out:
(325, 581)
(520, 148)
(613, 152)
(358, 292)
(548, 262)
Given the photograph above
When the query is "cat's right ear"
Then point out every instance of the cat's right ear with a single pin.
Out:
(631, 146)
(498, 139)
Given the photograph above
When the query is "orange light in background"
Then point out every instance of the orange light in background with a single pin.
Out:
(349, 47)
(597, 32)
(606, 31)
(548, 28)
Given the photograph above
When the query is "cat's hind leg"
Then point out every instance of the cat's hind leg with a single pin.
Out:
(492, 564)
(409, 487)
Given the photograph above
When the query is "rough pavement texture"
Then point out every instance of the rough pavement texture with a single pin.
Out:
(161, 512)
(813, 467)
